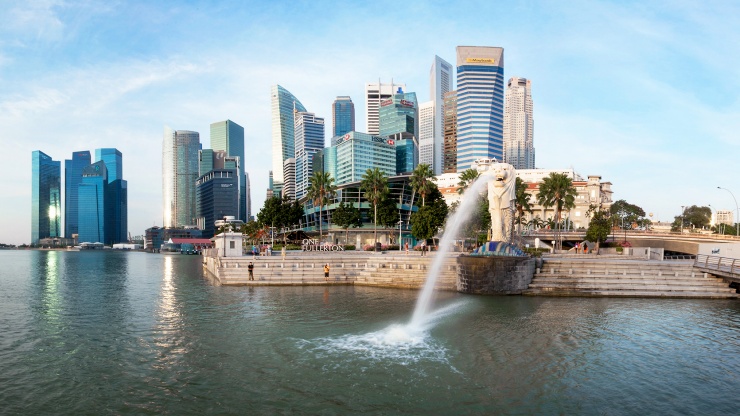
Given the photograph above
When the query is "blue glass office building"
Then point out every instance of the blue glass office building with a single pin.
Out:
(46, 204)
(229, 137)
(343, 115)
(357, 152)
(72, 179)
(480, 104)
(91, 193)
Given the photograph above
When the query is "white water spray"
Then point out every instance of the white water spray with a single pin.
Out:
(452, 228)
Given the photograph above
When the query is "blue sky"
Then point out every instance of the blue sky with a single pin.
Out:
(646, 94)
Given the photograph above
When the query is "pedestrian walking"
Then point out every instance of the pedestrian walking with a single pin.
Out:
(407, 248)
(251, 270)
(578, 246)
(326, 272)
(423, 248)
(282, 252)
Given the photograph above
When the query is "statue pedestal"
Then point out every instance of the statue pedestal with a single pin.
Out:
(494, 275)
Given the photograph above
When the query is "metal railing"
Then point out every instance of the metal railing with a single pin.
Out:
(721, 264)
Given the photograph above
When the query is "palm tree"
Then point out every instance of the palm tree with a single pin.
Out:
(557, 190)
(522, 201)
(467, 177)
(321, 187)
(421, 183)
(375, 185)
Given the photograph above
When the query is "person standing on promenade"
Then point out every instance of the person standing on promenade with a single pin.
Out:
(423, 248)
(251, 270)
(282, 252)
(407, 248)
(326, 272)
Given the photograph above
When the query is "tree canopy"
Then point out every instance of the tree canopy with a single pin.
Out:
(694, 217)
(467, 177)
(624, 215)
(421, 181)
(321, 187)
(347, 216)
(375, 184)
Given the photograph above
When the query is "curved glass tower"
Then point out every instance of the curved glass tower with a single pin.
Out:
(45, 202)
(283, 130)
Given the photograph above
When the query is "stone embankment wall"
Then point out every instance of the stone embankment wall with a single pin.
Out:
(393, 270)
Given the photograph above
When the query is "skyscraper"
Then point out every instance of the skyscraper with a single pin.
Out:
(283, 137)
(179, 173)
(426, 133)
(229, 137)
(356, 152)
(480, 104)
(374, 94)
(72, 179)
(343, 115)
(92, 193)
(46, 204)
(116, 198)
(399, 117)
(519, 124)
(440, 83)
(449, 158)
(218, 196)
(309, 139)
(289, 178)
(113, 160)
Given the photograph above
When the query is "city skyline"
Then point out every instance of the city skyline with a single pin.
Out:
(613, 96)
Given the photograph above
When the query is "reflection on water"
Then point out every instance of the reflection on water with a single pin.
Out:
(113, 332)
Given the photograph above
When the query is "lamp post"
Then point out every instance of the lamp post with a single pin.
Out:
(400, 220)
(682, 217)
(737, 229)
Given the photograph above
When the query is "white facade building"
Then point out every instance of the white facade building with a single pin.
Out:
(289, 184)
(374, 94)
(519, 124)
(426, 133)
(725, 217)
(440, 83)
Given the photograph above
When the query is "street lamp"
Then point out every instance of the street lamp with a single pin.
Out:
(400, 220)
(737, 228)
(683, 212)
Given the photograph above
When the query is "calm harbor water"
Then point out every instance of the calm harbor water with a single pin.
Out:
(137, 333)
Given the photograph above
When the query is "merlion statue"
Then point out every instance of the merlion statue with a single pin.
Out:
(501, 197)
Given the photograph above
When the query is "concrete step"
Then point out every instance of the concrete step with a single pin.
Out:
(622, 286)
(631, 293)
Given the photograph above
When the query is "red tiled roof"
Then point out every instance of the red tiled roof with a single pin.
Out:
(191, 240)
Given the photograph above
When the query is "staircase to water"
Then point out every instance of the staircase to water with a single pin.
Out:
(627, 278)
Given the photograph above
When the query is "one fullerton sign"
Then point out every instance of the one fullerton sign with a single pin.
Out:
(310, 244)
(481, 60)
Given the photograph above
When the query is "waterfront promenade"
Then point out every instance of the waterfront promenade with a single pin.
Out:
(558, 275)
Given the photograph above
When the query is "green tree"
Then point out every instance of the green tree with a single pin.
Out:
(522, 202)
(279, 213)
(388, 215)
(467, 177)
(375, 184)
(598, 228)
(347, 216)
(557, 190)
(321, 187)
(426, 222)
(694, 217)
(421, 182)
(624, 215)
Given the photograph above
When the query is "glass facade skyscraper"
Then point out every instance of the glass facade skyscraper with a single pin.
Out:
(113, 162)
(283, 104)
(218, 196)
(309, 139)
(229, 137)
(375, 93)
(343, 115)
(179, 173)
(357, 152)
(46, 204)
(72, 179)
(398, 116)
(480, 104)
(92, 193)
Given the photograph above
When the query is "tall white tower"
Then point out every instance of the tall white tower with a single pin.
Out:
(374, 94)
(440, 83)
(519, 124)
(426, 133)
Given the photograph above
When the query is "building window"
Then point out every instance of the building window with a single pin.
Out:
(232, 244)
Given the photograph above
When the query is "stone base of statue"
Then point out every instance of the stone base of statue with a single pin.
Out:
(496, 268)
